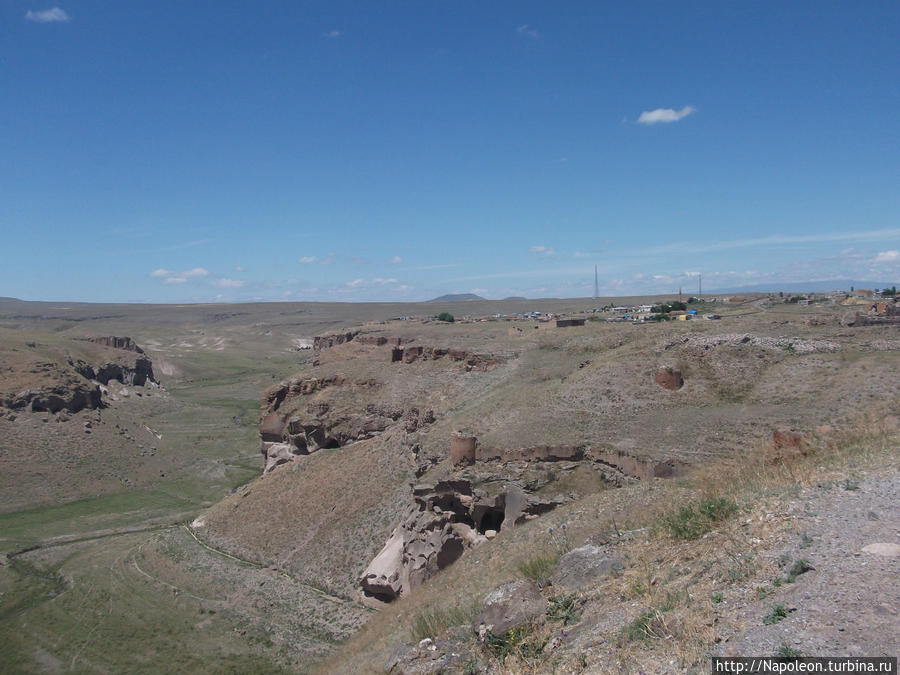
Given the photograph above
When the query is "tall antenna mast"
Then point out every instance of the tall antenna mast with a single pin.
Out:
(596, 284)
(699, 285)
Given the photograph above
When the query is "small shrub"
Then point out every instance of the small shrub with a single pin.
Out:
(564, 608)
(787, 652)
(521, 642)
(802, 566)
(717, 508)
(649, 624)
(445, 316)
(778, 613)
(539, 567)
(716, 598)
(694, 520)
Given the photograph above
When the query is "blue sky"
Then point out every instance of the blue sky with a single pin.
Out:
(199, 151)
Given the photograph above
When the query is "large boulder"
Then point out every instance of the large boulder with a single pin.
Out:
(385, 576)
(277, 454)
(510, 606)
(584, 565)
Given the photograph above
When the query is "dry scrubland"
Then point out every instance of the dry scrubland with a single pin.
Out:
(266, 578)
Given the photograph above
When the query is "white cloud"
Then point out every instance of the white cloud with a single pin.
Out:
(328, 259)
(229, 283)
(196, 272)
(367, 283)
(308, 259)
(333, 33)
(170, 277)
(649, 117)
(887, 257)
(546, 250)
(53, 15)
(238, 269)
(527, 31)
(396, 260)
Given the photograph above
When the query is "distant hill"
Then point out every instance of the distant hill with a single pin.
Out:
(516, 297)
(458, 297)
(805, 286)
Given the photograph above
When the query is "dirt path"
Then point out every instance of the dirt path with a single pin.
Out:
(849, 605)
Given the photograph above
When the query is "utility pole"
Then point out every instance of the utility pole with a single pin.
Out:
(679, 294)
(699, 286)
(596, 284)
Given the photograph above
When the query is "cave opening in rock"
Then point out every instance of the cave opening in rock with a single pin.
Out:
(380, 597)
(491, 520)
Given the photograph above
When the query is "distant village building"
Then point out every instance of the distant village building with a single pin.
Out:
(565, 323)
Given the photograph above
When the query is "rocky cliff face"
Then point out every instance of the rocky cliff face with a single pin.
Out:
(73, 384)
(117, 342)
(70, 395)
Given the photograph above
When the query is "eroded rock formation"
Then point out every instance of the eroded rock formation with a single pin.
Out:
(316, 425)
(328, 341)
(71, 396)
(443, 520)
(640, 468)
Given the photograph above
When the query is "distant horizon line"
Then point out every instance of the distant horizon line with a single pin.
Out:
(844, 285)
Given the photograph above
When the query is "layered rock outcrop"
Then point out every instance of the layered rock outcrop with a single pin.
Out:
(637, 467)
(71, 396)
(117, 342)
(303, 429)
(72, 384)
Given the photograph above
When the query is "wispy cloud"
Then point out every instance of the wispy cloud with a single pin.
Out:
(649, 117)
(229, 283)
(366, 283)
(546, 250)
(527, 31)
(310, 259)
(335, 33)
(436, 267)
(170, 277)
(887, 257)
(53, 15)
(186, 244)
(777, 240)
(396, 260)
